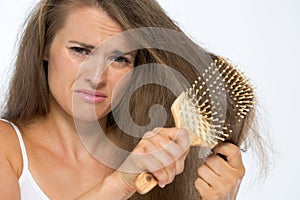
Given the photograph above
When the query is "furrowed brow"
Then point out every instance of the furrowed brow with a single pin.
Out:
(119, 52)
(84, 45)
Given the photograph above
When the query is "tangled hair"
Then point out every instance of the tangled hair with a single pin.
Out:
(29, 93)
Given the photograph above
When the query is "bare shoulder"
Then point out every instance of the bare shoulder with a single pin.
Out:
(10, 147)
(10, 162)
(7, 136)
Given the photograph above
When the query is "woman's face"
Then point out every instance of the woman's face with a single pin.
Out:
(83, 81)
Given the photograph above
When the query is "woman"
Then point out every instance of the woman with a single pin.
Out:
(56, 94)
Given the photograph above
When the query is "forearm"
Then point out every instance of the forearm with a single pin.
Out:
(112, 188)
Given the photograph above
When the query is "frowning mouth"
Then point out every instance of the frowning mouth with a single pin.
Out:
(91, 96)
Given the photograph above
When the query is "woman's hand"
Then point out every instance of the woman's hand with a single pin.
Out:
(161, 152)
(220, 179)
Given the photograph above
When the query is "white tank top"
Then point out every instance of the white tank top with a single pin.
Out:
(29, 189)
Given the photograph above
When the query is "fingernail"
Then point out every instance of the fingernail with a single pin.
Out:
(162, 185)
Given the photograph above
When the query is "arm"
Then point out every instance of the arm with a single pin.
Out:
(219, 179)
(9, 186)
(113, 188)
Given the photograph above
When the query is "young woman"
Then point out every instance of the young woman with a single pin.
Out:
(47, 144)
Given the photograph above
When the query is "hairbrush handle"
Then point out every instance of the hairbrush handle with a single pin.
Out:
(146, 181)
(197, 112)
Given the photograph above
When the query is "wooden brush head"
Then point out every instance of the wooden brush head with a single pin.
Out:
(201, 109)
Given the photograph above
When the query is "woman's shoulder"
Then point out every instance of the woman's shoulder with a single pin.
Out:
(7, 135)
(10, 146)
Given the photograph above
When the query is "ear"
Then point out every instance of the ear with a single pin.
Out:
(46, 56)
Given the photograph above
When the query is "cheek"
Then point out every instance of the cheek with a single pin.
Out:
(61, 68)
(62, 73)
(118, 85)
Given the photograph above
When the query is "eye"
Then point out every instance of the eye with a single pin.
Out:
(120, 60)
(80, 51)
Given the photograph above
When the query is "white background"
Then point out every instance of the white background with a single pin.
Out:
(262, 36)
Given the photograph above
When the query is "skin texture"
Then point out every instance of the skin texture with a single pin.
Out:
(220, 179)
(56, 153)
(65, 63)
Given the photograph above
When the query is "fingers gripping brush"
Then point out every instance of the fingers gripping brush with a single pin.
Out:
(197, 111)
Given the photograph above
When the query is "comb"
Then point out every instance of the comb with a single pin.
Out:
(197, 110)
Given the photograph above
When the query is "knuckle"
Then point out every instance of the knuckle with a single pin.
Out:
(183, 153)
(147, 135)
(187, 151)
(180, 169)
(161, 176)
(172, 166)
(211, 159)
(169, 163)
(152, 134)
(171, 172)
(144, 144)
(158, 129)
(216, 194)
(183, 134)
(171, 179)
(230, 149)
(242, 171)
(232, 183)
(201, 170)
(234, 150)
(138, 150)
(197, 183)
(139, 147)
(165, 179)
(143, 141)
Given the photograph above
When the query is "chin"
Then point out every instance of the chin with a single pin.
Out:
(88, 112)
(85, 118)
(88, 116)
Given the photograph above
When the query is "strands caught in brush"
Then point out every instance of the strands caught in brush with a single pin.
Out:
(203, 109)
(237, 87)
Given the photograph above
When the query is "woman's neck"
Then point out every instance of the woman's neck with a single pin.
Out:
(60, 132)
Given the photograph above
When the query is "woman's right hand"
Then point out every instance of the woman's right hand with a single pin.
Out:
(161, 152)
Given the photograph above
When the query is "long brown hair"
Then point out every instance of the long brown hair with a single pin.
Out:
(29, 94)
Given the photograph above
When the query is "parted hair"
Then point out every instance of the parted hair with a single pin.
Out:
(28, 98)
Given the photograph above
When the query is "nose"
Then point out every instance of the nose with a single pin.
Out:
(95, 71)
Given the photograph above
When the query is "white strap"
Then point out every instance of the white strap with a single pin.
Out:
(22, 145)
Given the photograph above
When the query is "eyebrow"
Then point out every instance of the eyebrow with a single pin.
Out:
(118, 52)
(87, 46)
(91, 47)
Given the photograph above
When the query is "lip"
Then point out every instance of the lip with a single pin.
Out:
(91, 96)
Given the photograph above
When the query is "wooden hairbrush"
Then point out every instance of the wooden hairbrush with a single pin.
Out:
(196, 110)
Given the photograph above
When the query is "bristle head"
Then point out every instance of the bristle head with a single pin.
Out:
(203, 106)
(201, 111)
(199, 119)
(237, 87)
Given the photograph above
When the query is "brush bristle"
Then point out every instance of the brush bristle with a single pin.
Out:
(202, 108)
(237, 87)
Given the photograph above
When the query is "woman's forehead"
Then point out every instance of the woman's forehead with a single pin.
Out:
(91, 23)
